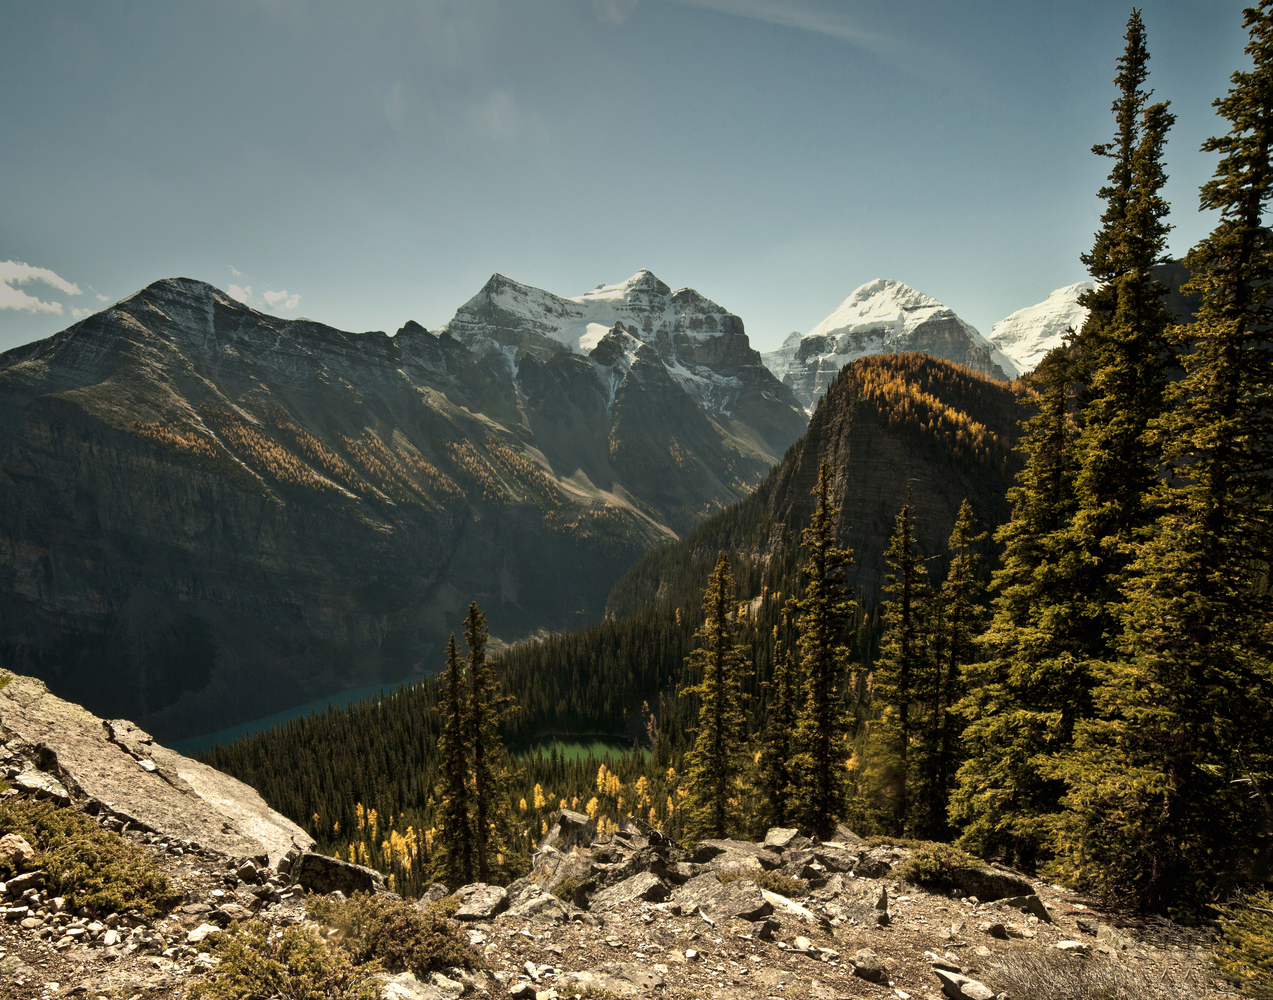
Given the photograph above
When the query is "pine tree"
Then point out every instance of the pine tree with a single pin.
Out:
(715, 762)
(960, 622)
(1025, 696)
(1187, 710)
(453, 860)
(487, 708)
(825, 611)
(903, 670)
(777, 741)
(1122, 354)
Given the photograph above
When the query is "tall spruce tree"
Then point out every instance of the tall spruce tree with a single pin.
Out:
(1025, 693)
(715, 762)
(487, 708)
(1122, 354)
(1057, 613)
(957, 625)
(453, 859)
(902, 672)
(820, 764)
(777, 741)
(1159, 805)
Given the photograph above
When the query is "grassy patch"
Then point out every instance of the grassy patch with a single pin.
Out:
(91, 867)
(783, 885)
(1246, 956)
(1050, 975)
(565, 889)
(933, 867)
(395, 934)
(911, 845)
(258, 960)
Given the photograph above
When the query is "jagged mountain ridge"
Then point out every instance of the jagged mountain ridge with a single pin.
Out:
(197, 499)
(883, 316)
(894, 428)
(703, 347)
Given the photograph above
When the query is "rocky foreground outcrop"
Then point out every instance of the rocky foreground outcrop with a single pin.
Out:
(111, 769)
(630, 915)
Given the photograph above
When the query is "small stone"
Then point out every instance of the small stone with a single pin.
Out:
(16, 851)
(31, 923)
(691, 955)
(202, 932)
(802, 944)
(523, 991)
(1074, 947)
(867, 965)
(110, 938)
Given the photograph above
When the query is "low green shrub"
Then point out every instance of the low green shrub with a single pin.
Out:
(565, 889)
(910, 844)
(395, 934)
(1245, 957)
(258, 960)
(783, 885)
(933, 867)
(91, 867)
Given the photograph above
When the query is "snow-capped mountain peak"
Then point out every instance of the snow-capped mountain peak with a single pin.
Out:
(883, 316)
(1030, 333)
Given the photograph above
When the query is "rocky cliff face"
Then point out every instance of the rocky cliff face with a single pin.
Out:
(208, 514)
(881, 317)
(894, 429)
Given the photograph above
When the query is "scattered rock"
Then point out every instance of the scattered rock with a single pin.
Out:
(567, 829)
(740, 900)
(989, 884)
(319, 873)
(645, 886)
(782, 839)
(16, 851)
(868, 965)
(1028, 904)
(1074, 947)
(480, 901)
(959, 987)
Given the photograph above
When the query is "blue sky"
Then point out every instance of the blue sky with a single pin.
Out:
(366, 164)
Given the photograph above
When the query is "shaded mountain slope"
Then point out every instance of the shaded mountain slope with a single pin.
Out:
(208, 514)
(891, 427)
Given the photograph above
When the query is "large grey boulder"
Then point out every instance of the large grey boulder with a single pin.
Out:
(989, 884)
(642, 887)
(742, 899)
(319, 873)
(538, 906)
(567, 829)
(480, 901)
(711, 852)
(116, 768)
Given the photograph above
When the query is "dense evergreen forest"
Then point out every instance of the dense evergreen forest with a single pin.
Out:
(1077, 675)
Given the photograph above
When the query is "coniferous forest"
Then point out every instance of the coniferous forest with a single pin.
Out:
(1078, 681)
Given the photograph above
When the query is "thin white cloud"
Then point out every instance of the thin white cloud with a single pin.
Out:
(806, 16)
(80, 313)
(240, 294)
(235, 271)
(14, 272)
(289, 300)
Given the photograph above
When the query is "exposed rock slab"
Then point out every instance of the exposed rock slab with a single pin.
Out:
(319, 873)
(742, 900)
(117, 768)
(642, 887)
(480, 901)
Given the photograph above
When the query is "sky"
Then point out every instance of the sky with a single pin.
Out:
(368, 164)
